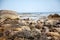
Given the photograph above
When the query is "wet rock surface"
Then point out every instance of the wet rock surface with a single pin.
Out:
(14, 28)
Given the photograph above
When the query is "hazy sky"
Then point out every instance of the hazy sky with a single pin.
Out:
(31, 5)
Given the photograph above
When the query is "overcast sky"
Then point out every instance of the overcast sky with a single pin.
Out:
(31, 5)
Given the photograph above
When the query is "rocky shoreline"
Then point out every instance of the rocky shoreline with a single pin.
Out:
(14, 28)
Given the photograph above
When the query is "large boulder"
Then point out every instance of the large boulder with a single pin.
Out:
(54, 16)
(4, 14)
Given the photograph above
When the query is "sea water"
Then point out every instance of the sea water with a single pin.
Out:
(36, 15)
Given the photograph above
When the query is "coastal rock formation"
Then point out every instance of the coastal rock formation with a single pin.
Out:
(4, 14)
(14, 28)
(54, 16)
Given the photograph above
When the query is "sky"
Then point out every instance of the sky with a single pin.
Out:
(30, 5)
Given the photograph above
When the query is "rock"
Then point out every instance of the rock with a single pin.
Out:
(4, 14)
(1, 34)
(58, 29)
(25, 28)
(53, 34)
(25, 31)
(36, 34)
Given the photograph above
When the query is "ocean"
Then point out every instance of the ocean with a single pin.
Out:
(36, 15)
